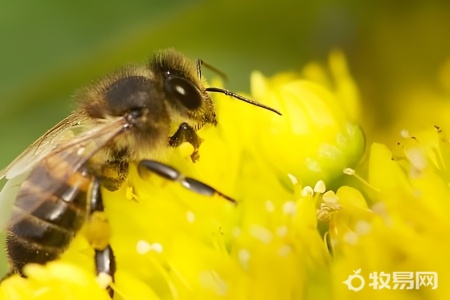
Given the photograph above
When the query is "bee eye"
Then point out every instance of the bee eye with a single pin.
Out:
(184, 91)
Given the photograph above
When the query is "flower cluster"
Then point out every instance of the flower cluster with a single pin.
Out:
(305, 219)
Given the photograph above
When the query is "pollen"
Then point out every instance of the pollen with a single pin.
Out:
(143, 247)
(269, 206)
(212, 281)
(351, 238)
(244, 257)
(129, 193)
(289, 208)
(157, 247)
(282, 231)
(236, 232)
(404, 134)
(320, 187)
(261, 233)
(417, 158)
(307, 191)
(349, 171)
(363, 227)
(284, 250)
(293, 179)
(190, 216)
(330, 198)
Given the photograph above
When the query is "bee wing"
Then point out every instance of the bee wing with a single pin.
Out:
(7, 197)
(61, 132)
(79, 149)
(73, 152)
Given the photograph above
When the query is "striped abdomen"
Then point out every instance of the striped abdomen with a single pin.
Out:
(49, 210)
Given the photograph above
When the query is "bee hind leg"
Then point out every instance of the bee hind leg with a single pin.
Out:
(173, 174)
(98, 234)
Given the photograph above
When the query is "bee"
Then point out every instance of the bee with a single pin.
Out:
(54, 187)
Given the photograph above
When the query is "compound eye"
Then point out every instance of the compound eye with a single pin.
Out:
(184, 91)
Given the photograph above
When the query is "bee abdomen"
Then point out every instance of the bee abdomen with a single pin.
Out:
(22, 252)
(32, 230)
(32, 240)
(44, 223)
(57, 209)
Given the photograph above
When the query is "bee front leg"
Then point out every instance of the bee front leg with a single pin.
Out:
(186, 133)
(98, 234)
(173, 174)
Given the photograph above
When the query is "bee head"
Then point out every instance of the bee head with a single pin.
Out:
(182, 87)
(165, 91)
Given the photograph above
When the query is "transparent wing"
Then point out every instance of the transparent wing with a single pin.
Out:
(65, 157)
(63, 131)
(83, 146)
(7, 197)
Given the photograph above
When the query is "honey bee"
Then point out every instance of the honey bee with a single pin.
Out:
(54, 187)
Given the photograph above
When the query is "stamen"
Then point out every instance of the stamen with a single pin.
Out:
(320, 187)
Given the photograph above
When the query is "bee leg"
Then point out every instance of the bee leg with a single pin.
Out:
(186, 133)
(113, 174)
(173, 174)
(105, 264)
(114, 171)
(98, 234)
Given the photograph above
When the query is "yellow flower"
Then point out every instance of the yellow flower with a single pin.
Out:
(173, 244)
(56, 280)
(315, 139)
(404, 233)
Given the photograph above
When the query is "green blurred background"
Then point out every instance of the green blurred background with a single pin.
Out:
(48, 49)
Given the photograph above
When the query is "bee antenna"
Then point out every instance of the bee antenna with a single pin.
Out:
(201, 63)
(242, 98)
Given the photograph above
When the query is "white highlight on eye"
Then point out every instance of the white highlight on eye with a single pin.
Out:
(269, 206)
(261, 233)
(180, 90)
(190, 216)
(142, 247)
(289, 208)
(244, 257)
